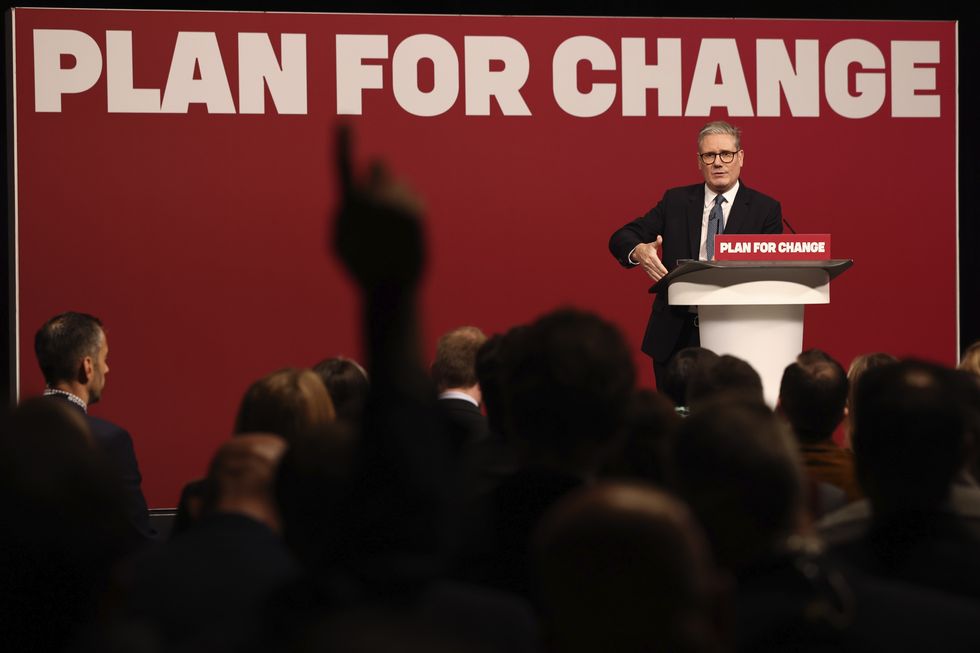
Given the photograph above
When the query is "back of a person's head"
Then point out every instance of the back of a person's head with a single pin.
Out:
(63, 341)
(680, 369)
(737, 466)
(292, 403)
(242, 472)
(812, 395)
(570, 382)
(727, 375)
(492, 361)
(348, 385)
(650, 425)
(971, 359)
(454, 365)
(622, 568)
(312, 491)
(64, 525)
(862, 364)
(910, 427)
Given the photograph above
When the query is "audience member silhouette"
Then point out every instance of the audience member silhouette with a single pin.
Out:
(726, 375)
(858, 367)
(205, 583)
(492, 359)
(64, 526)
(291, 403)
(625, 568)
(454, 374)
(738, 468)
(568, 384)
(912, 425)
(813, 398)
(347, 383)
(679, 371)
(650, 426)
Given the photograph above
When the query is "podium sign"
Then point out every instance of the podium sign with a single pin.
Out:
(773, 247)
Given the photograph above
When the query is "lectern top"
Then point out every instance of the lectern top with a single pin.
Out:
(833, 267)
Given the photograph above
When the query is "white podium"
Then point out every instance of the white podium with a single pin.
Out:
(753, 309)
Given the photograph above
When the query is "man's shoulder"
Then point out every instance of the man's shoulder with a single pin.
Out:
(684, 192)
(458, 405)
(753, 195)
(104, 430)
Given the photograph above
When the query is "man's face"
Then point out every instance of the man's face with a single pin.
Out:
(100, 367)
(720, 176)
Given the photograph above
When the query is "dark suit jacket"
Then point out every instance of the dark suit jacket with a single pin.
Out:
(467, 424)
(677, 218)
(211, 576)
(117, 445)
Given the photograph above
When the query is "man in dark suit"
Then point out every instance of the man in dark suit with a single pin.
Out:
(206, 581)
(683, 224)
(454, 373)
(72, 349)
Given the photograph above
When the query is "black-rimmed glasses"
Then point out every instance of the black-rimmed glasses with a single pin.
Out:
(709, 157)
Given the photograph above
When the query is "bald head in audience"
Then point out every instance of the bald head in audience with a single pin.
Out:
(624, 568)
(240, 479)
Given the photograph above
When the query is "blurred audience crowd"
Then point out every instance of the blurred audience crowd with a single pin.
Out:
(519, 494)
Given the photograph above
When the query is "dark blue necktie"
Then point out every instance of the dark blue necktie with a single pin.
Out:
(716, 224)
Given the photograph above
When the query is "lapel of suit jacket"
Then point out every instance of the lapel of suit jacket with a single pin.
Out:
(739, 211)
(695, 213)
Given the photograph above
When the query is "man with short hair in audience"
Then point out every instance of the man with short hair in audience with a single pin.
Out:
(812, 397)
(72, 351)
(213, 575)
(726, 375)
(568, 385)
(737, 467)
(625, 568)
(680, 369)
(454, 374)
(914, 425)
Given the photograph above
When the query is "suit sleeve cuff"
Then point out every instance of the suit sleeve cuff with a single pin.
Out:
(629, 257)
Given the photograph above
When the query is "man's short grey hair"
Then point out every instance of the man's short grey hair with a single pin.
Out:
(720, 127)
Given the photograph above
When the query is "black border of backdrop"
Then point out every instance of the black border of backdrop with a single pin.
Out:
(906, 262)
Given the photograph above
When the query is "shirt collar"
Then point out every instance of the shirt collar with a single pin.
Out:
(729, 195)
(456, 394)
(75, 399)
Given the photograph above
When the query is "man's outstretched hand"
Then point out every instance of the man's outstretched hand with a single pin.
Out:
(377, 232)
(648, 256)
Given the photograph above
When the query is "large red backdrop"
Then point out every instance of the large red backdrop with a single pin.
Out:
(198, 233)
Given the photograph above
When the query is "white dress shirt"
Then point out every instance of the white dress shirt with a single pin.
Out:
(709, 203)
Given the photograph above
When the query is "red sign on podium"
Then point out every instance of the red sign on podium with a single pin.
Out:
(772, 247)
